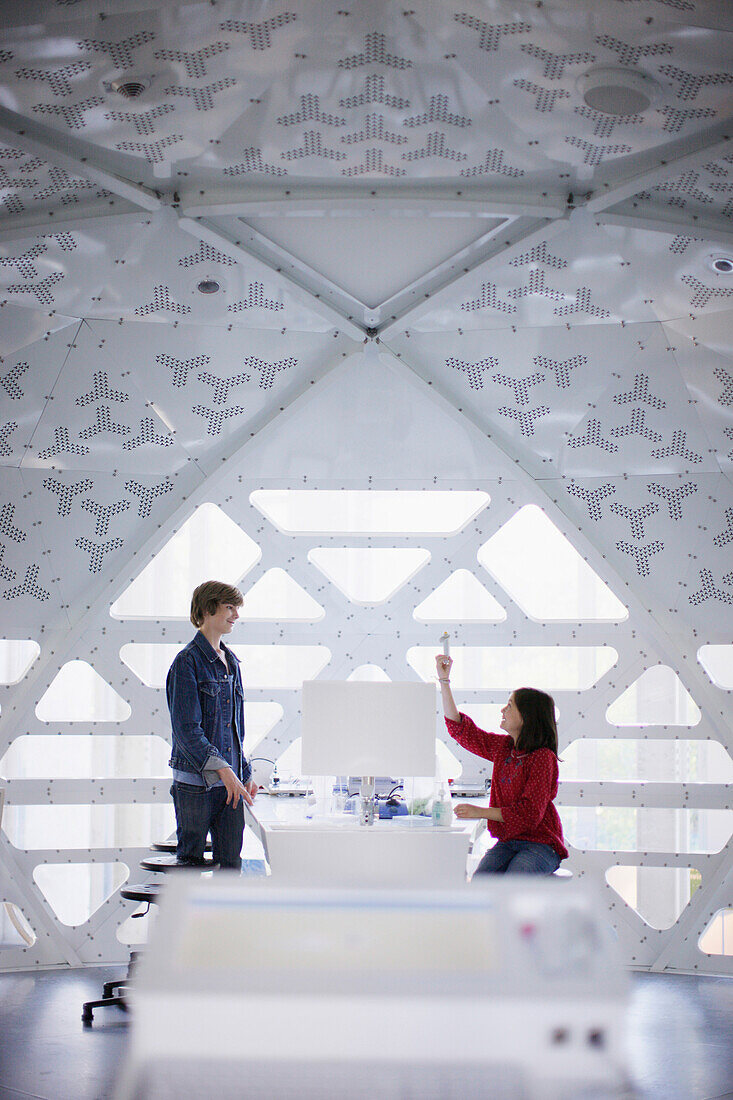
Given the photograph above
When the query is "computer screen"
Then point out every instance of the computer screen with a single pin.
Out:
(359, 728)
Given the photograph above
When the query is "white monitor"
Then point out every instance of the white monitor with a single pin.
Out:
(359, 728)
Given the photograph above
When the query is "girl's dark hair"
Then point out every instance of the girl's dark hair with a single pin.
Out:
(539, 730)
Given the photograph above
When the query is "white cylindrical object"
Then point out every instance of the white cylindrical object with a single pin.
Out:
(445, 639)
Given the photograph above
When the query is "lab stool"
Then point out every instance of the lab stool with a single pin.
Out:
(142, 891)
(171, 846)
(166, 863)
(113, 993)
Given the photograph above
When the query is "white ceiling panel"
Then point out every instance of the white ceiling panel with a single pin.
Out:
(393, 252)
(210, 388)
(586, 274)
(706, 364)
(30, 588)
(669, 535)
(584, 401)
(28, 379)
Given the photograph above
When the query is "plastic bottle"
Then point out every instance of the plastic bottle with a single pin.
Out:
(339, 796)
(352, 804)
(442, 806)
(310, 805)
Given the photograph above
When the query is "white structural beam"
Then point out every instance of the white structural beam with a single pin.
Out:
(669, 161)
(600, 859)
(22, 893)
(684, 796)
(515, 238)
(84, 219)
(711, 900)
(311, 289)
(352, 199)
(74, 156)
(441, 276)
(73, 792)
(704, 228)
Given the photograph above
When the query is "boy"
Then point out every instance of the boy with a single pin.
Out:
(211, 777)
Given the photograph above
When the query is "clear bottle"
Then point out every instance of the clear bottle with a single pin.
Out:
(442, 814)
(310, 805)
(339, 797)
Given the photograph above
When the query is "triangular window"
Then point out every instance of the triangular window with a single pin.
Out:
(717, 939)
(79, 694)
(369, 673)
(209, 546)
(460, 598)
(717, 660)
(657, 698)
(544, 573)
(16, 657)
(368, 576)
(76, 890)
(658, 894)
(277, 597)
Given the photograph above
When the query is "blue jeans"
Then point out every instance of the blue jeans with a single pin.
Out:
(519, 857)
(200, 811)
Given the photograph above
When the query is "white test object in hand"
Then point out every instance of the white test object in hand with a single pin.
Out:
(445, 639)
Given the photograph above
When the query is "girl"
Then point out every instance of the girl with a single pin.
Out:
(521, 813)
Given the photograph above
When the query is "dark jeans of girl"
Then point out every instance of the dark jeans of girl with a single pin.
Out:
(199, 812)
(519, 857)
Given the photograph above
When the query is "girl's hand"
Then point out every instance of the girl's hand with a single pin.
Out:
(466, 811)
(443, 664)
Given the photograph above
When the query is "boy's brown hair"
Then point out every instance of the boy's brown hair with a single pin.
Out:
(207, 597)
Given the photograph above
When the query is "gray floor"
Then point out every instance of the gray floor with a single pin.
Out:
(680, 1037)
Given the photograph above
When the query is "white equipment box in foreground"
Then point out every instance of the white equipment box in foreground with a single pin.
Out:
(508, 989)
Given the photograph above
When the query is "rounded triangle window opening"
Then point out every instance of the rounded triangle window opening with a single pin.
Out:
(544, 573)
(208, 544)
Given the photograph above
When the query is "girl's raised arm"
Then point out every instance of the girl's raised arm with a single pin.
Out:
(443, 665)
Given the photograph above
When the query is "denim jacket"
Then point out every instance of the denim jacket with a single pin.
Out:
(203, 737)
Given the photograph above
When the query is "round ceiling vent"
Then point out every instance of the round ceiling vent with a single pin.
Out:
(208, 286)
(128, 86)
(618, 92)
(722, 265)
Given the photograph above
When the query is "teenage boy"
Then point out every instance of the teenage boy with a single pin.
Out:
(211, 777)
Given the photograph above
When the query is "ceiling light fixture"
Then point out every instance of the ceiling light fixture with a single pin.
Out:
(618, 92)
(208, 286)
(722, 265)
